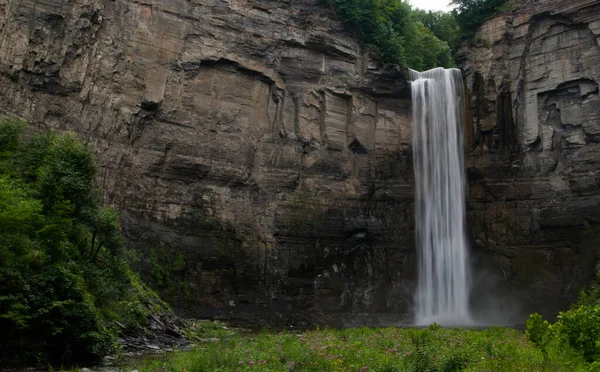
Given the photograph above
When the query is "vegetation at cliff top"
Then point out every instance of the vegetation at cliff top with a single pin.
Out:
(470, 14)
(411, 37)
(64, 272)
(393, 27)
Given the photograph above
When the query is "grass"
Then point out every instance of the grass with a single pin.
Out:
(366, 349)
(204, 329)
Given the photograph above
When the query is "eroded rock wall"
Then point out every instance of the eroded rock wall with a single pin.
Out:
(260, 161)
(534, 160)
(256, 156)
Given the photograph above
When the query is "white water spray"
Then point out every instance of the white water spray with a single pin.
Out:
(443, 287)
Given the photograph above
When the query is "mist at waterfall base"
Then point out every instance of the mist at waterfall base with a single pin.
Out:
(445, 278)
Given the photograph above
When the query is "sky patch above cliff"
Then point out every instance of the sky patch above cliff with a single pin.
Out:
(443, 5)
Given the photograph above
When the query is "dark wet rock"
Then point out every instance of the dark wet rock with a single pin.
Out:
(534, 161)
(162, 334)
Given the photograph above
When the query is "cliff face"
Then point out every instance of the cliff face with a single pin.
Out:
(261, 162)
(255, 155)
(534, 164)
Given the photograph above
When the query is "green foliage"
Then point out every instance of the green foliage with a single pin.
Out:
(10, 132)
(470, 14)
(580, 329)
(64, 274)
(365, 349)
(410, 37)
(66, 176)
(395, 29)
(591, 296)
(202, 330)
(443, 25)
(168, 271)
(538, 330)
(577, 329)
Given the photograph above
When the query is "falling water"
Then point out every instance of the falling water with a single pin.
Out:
(443, 287)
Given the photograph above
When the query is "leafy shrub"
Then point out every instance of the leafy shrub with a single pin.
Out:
(537, 330)
(591, 296)
(454, 361)
(64, 273)
(576, 329)
(580, 328)
(424, 354)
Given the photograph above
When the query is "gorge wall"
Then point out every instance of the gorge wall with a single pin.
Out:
(255, 154)
(534, 160)
(261, 161)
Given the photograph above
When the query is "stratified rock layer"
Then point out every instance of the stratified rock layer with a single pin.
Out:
(260, 161)
(534, 164)
(255, 155)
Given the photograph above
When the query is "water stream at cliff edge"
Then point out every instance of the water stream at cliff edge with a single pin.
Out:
(443, 280)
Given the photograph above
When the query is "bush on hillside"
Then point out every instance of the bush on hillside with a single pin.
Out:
(64, 272)
(577, 328)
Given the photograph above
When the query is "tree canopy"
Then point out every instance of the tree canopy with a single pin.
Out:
(396, 30)
(414, 38)
(470, 14)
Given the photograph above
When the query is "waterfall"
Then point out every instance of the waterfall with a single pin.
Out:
(443, 280)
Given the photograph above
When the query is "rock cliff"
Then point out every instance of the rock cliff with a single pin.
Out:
(534, 160)
(256, 155)
(260, 160)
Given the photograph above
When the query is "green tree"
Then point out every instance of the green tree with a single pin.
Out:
(395, 29)
(64, 270)
(67, 175)
(443, 25)
(470, 14)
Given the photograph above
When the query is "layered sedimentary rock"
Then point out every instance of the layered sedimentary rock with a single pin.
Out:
(261, 163)
(534, 161)
(256, 155)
